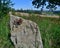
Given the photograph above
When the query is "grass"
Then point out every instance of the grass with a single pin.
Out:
(4, 33)
(49, 28)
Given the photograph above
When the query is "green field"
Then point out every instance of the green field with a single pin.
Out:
(49, 28)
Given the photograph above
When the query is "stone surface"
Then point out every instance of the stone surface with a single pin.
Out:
(26, 34)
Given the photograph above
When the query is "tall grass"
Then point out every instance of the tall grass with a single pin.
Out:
(4, 33)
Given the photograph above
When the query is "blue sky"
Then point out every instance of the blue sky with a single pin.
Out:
(25, 4)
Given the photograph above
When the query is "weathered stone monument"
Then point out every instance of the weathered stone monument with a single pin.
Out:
(25, 33)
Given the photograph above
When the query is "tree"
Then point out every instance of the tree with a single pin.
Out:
(4, 7)
(51, 4)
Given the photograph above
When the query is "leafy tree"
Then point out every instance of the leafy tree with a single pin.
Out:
(5, 7)
(51, 4)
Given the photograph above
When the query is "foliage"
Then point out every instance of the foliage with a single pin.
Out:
(5, 6)
(41, 3)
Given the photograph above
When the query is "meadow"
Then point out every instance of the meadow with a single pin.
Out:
(49, 29)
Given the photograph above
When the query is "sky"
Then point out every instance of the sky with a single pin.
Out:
(26, 4)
